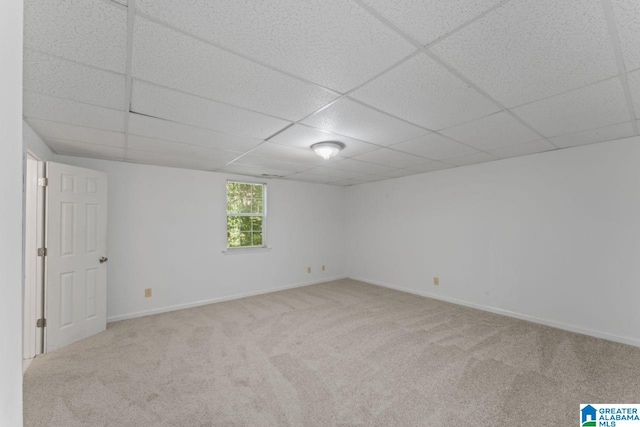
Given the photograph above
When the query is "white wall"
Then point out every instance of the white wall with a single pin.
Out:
(11, 213)
(167, 230)
(35, 144)
(554, 237)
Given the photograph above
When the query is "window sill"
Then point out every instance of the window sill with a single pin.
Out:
(235, 251)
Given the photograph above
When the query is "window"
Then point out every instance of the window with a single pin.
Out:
(246, 208)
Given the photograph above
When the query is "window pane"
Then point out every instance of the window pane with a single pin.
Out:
(257, 239)
(257, 192)
(245, 223)
(232, 190)
(245, 238)
(233, 223)
(257, 206)
(233, 239)
(233, 205)
(256, 223)
(245, 205)
(245, 190)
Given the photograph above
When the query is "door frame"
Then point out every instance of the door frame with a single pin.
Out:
(34, 265)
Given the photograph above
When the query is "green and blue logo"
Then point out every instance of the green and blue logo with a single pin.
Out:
(588, 415)
(609, 415)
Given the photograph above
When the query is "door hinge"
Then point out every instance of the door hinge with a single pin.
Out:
(43, 182)
(41, 323)
(42, 251)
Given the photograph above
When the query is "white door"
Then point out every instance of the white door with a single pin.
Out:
(76, 286)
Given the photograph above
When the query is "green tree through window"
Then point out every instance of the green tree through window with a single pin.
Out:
(245, 214)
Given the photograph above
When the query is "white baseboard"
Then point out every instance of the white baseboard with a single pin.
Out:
(25, 364)
(553, 324)
(166, 309)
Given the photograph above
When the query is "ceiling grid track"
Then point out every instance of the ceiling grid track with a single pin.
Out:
(131, 15)
(419, 47)
(466, 24)
(622, 71)
(226, 49)
(85, 113)
(449, 68)
(342, 96)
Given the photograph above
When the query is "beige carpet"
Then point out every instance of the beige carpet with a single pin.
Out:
(340, 353)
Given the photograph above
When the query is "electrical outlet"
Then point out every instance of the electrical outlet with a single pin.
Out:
(323, 268)
(308, 269)
(436, 281)
(147, 293)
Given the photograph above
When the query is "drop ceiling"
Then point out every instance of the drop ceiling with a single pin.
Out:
(409, 86)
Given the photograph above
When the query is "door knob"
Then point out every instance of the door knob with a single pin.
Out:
(103, 260)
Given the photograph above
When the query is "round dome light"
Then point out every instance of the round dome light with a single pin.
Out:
(327, 149)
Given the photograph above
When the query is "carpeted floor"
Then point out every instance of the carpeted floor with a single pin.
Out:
(340, 353)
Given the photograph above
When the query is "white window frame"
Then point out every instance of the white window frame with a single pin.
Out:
(245, 249)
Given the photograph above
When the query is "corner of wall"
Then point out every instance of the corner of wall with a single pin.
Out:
(31, 141)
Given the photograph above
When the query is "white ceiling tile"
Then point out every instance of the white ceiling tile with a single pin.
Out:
(65, 79)
(634, 87)
(63, 131)
(347, 117)
(594, 106)
(362, 167)
(523, 149)
(608, 133)
(335, 173)
(423, 92)
(271, 163)
(427, 20)
(433, 146)
(470, 159)
(397, 173)
(47, 107)
(431, 167)
(172, 131)
(163, 159)
(256, 171)
(368, 178)
(494, 131)
(330, 42)
(391, 158)
(304, 136)
(142, 143)
(81, 149)
(527, 50)
(192, 110)
(550, 62)
(92, 32)
(627, 16)
(345, 182)
(307, 177)
(293, 154)
(171, 59)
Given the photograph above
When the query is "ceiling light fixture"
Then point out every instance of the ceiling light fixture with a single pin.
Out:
(327, 149)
